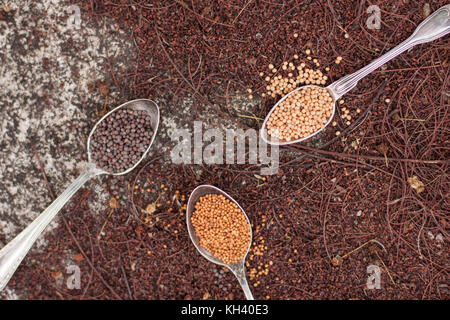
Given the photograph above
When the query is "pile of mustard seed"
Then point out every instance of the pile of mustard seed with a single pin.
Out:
(221, 227)
(302, 113)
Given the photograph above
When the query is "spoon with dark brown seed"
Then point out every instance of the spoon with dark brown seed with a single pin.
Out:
(116, 145)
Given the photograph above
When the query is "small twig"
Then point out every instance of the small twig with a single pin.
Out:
(249, 117)
(243, 8)
(409, 119)
(418, 239)
(111, 71)
(367, 157)
(43, 172)
(104, 224)
(407, 69)
(362, 246)
(126, 279)
(387, 270)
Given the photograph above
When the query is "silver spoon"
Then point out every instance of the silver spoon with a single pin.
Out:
(238, 268)
(13, 253)
(435, 26)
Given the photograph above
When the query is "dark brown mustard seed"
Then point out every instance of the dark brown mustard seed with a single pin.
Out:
(121, 139)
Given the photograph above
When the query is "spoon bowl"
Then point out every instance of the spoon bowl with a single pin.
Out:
(146, 105)
(237, 268)
(280, 142)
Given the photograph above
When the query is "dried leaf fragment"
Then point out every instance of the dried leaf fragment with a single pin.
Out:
(56, 274)
(103, 88)
(416, 184)
(426, 10)
(151, 208)
(336, 261)
(78, 257)
(113, 203)
(206, 295)
(396, 117)
(355, 144)
(383, 149)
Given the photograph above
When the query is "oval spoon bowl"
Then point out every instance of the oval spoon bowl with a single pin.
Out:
(196, 194)
(146, 105)
(274, 140)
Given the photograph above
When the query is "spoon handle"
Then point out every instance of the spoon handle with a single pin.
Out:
(13, 253)
(246, 289)
(239, 272)
(435, 26)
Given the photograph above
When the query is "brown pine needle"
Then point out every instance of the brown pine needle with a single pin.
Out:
(243, 8)
(363, 245)
(410, 119)
(104, 224)
(250, 117)
(387, 270)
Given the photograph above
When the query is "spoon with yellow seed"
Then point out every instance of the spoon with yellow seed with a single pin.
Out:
(307, 110)
(220, 230)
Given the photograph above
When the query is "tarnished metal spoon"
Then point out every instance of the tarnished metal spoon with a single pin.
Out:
(13, 253)
(238, 268)
(435, 26)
